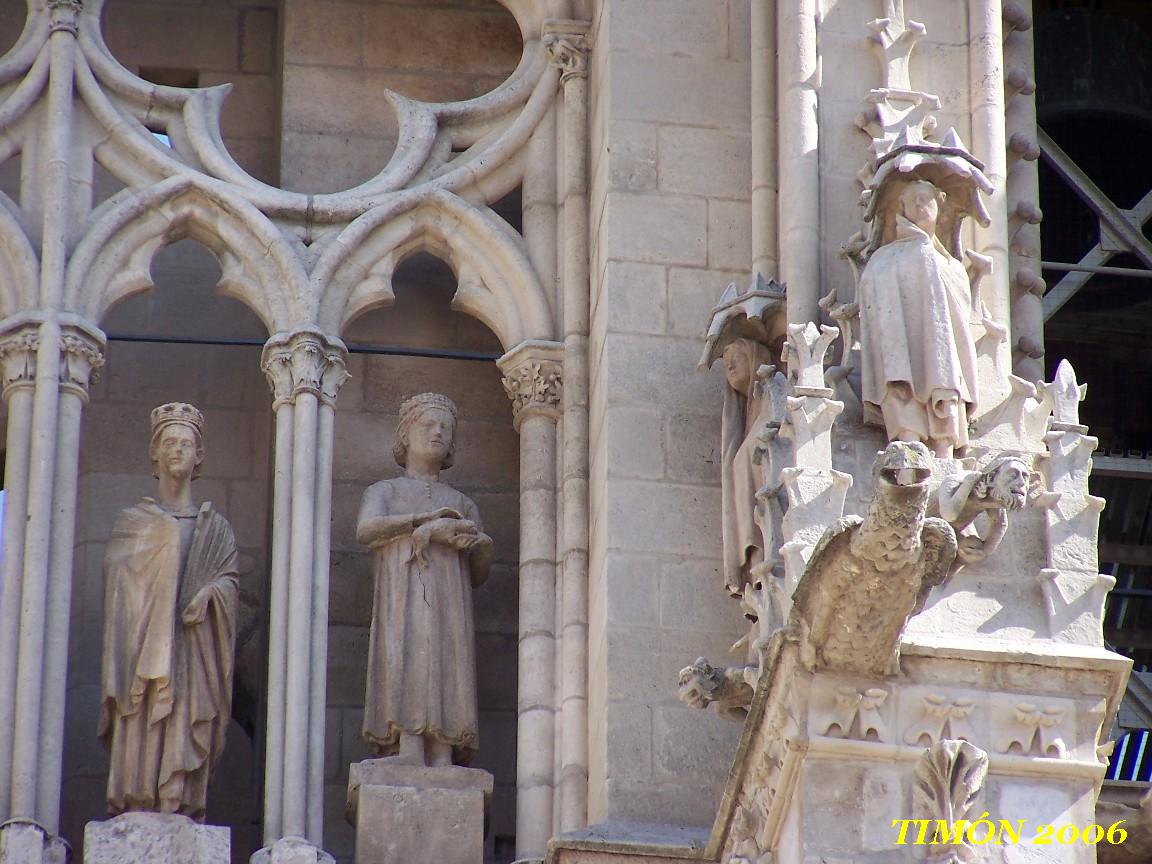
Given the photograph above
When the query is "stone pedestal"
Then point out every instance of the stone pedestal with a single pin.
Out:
(291, 850)
(158, 838)
(406, 813)
(28, 843)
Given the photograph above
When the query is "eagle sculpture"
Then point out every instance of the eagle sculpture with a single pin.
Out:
(868, 576)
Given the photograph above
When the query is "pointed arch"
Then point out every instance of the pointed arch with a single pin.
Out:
(113, 260)
(19, 267)
(497, 283)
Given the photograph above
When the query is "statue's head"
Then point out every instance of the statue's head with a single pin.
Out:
(920, 203)
(742, 357)
(1005, 482)
(428, 427)
(176, 448)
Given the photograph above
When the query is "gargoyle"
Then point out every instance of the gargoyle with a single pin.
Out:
(868, 576)
(727, 691)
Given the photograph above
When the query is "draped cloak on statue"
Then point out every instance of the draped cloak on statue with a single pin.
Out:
(916, 306)
(740, 477)
(167, 686)
(422, 651)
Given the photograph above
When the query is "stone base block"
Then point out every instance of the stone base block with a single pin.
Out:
(28, 843)
(405, 813)
(158, 838)
(291, 850)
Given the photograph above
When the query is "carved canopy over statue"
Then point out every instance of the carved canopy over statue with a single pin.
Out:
(429, 552)
(170, 610)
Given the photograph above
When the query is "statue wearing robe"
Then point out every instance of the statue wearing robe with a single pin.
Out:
(429, 551)
(740, 477)
(167, 680)
(917, 344)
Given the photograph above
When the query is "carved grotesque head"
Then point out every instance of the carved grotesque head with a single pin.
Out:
(904, 463)
(427, 426)
(1005, 482)
(697, 684)
(177, 445)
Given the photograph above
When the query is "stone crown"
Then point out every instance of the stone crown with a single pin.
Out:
(177, 412)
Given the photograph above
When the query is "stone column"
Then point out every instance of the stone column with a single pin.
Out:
(18, 358)
(797, 81)
(568, 47)
(81, 357)
(305, 370)
(532, 378)
(986, 82)
(39, 528)
(1026, 283)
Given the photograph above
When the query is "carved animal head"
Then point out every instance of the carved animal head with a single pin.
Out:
(904, 464)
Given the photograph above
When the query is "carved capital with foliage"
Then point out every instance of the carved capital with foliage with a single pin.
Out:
(533, 379)
(304, 361)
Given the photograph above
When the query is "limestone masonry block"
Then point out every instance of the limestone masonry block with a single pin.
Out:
(158, 838)
(684, 150)
(406, 813)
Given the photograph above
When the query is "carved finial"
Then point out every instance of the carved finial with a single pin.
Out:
(896, 38)
(1067, 395)
(806, 349)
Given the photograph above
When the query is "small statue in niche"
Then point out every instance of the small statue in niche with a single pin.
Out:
(429, 551)
(917, 342)
(997, 490)
(170, 610)
(746, 331)
(741, 476)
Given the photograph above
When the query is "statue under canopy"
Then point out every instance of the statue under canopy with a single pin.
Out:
(745, 332)
(919, 351)
(429, 552)
(170, 609)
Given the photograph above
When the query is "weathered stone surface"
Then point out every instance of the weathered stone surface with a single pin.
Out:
(157, 838)
(405, 812)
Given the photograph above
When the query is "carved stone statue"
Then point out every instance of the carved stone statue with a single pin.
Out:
(869, 575)
(917, 342)
(170, 610)
(746, 331)
(997, 490)
(741, 476)
(429, 552)
(726, 691)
